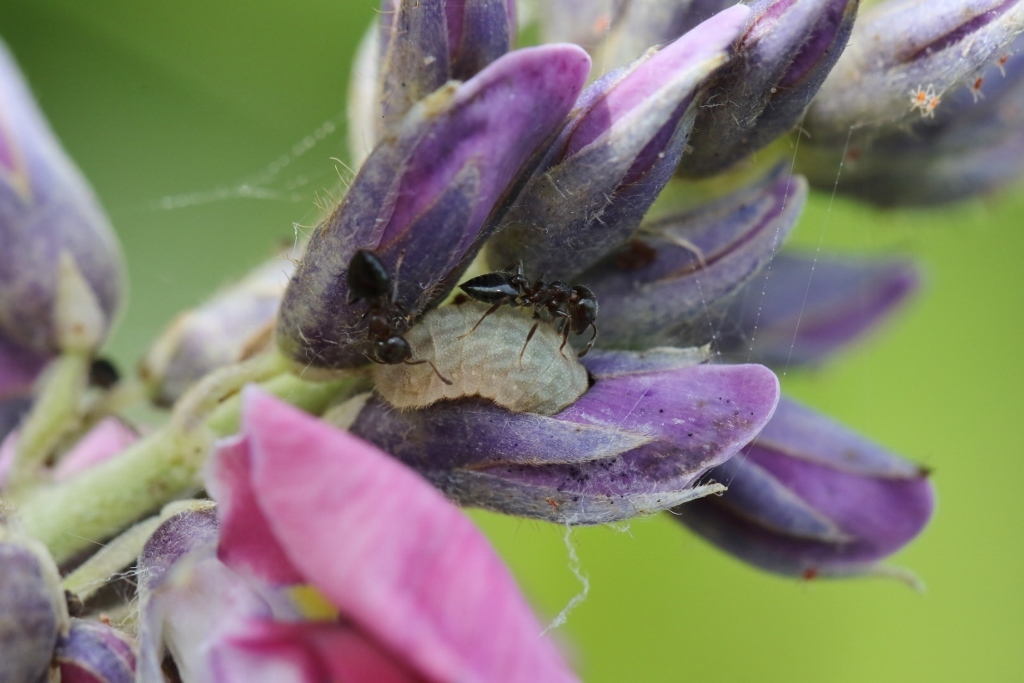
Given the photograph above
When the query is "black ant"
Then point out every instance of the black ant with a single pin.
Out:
(573, 306)
(387, 320)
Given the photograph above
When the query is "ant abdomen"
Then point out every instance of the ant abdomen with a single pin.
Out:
(490, 288)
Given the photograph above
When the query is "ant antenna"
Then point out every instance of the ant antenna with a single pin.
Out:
(590, 344)
(432, 366)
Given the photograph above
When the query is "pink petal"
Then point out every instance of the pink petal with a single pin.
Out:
(246, 541)
(105, 440)
(391, 552)
(274, 651)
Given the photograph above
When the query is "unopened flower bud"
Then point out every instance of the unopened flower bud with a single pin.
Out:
(233, 323)
(616, 154)
(904, 57)
(419, 46)
(781, 60)
(424, 199)
(668, 286)
(479, 31)
(629, 27)
(93, 652)
(651, 425)
(33, 611)
(971, 143)
(809, 498)
(61, 274)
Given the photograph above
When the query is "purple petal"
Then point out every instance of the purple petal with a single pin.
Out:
(425, 197)
(642, 439)
(803, 309)
(811, 498)
(479, 31)
(93, 652)
(19, 369)
(667, 285)
(615, 156)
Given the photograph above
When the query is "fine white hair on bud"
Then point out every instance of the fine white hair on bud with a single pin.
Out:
(490, 361)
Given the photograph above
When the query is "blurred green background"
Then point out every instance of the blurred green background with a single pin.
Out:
(182, 104)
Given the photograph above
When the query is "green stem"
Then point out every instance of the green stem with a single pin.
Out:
(54, 414)
(312, 397)
(161, 467)
(101, 501)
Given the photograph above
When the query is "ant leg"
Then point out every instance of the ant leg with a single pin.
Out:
(527, 343)
(432, 366)
(565, 337)
(590, 343)
(490, 310)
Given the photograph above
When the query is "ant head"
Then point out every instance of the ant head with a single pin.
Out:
(367, 277)
(583, 311)
(393, 350)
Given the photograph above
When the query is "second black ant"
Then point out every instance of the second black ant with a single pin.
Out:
(574, 307)
(387, 320)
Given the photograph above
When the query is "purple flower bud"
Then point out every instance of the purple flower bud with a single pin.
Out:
(635, 25)
(18, 369)
(802, 309)
(617, 153)
(181, 592)
(60, 269)
(810, 498)
(969, 144)
(414, 55)
(479, 31)
(223, 330)
(904, 57)
(584, 22)
(32, 609)
(428, 193)
(637, 441)
(422, 45)
(781, 60)
(93, 652)
(667, 286)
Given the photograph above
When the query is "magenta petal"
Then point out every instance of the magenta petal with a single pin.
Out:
(273, 651)
(105, 440)
(247, 543)
(390, 552)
